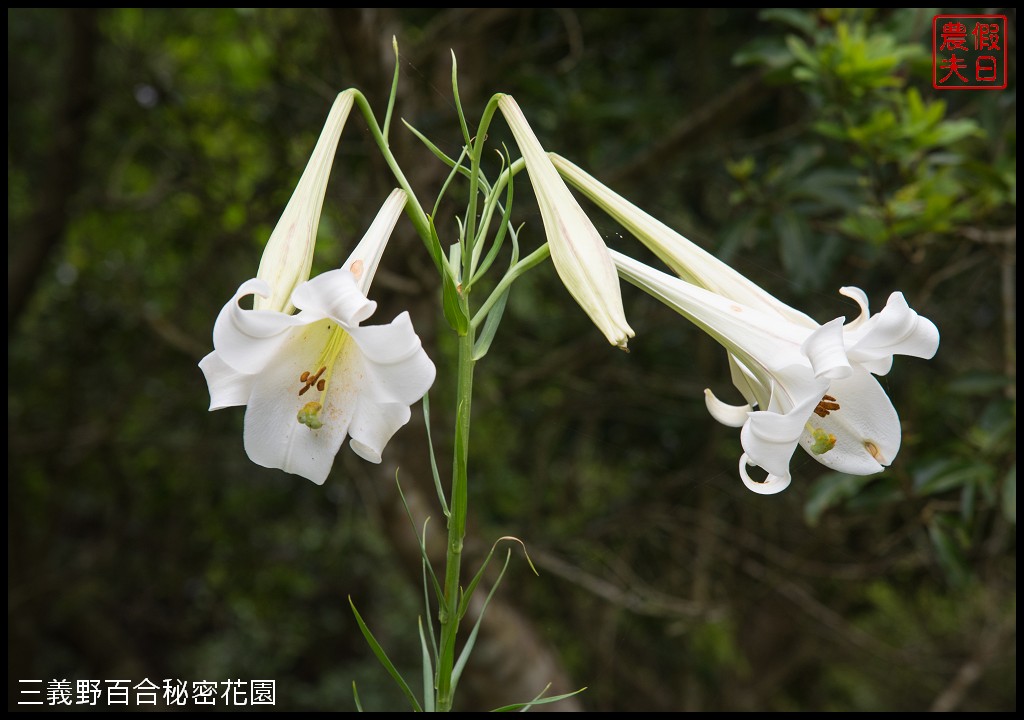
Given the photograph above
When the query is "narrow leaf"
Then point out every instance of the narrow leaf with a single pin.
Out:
(428, 673)
(460, 664)
(490, 328)
(433, 457)
(383, 658)
(523, 707)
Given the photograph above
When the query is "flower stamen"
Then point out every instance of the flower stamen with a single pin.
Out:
(309, 380)
(828, 404)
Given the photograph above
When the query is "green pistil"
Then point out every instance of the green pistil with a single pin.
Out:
(823, 441)
(310, 415)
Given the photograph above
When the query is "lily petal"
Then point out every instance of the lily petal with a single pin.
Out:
(363, 261)
(246, 340)
(273, 437)
(825, 349)
(365, 398)
(395, 367)
(395, 372)
(311, 379)
(728, 415)
(334, 295)
(374, 425)
(867, 343)
(861, 298)
(769, 486)
(755, 338)
(228, 387)
(770, 437)
(744, 381)
(866, 427)
(897, 330)
(689, 261)
(851, 425)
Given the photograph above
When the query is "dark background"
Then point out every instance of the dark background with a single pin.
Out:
(150, 153)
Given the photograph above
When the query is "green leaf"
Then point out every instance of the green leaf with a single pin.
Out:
(796, 256)
(467, 650)
(539, 700)
(741, 169)
(769, 52)
(944, 532)
(423, 546)
(503, 226)
(944, 475)
(433, 457)
(464, 601)
(428, 673)
(438, 152)
(384, 660)
(452, 307)
(831, 490)
(490, 328)
(802, 53)
(804, 21)
(458, 102)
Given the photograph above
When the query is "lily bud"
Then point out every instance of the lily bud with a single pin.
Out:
(580, 256)
(288, 257)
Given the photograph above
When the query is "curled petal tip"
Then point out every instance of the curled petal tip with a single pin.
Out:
(770, 486)
(728, 415)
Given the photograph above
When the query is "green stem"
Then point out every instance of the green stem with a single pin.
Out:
(530, 261)
(449, 613)
(478, 151)
(419, 218)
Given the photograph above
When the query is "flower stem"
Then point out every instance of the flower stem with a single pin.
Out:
(530, 261)
(478, 149)
(419, 218)
(449, 612)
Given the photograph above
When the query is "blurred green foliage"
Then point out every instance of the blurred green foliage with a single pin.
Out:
(806, 147)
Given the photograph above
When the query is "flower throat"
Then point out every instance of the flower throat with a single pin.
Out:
(309, 414)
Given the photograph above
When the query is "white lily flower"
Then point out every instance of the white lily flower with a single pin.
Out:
(807, 390)
(577, 250)
(288, 256)
(312, 379)
(871, 340)
(867, 429)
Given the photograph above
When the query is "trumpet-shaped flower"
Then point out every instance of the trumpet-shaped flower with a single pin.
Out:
(577, 250)
(812, 385)
(288, 256)
(856, 410)
(309, 380)
(870, 340)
